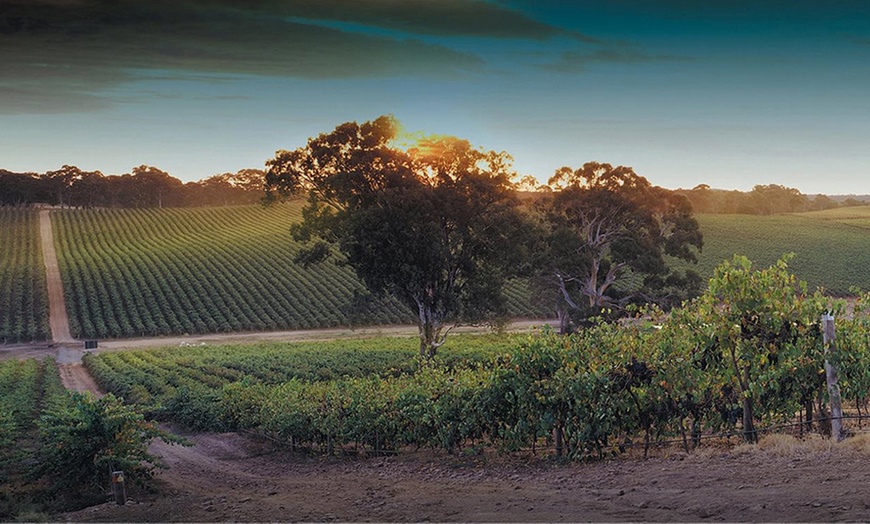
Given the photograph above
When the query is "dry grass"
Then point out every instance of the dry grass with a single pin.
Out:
(789, 446)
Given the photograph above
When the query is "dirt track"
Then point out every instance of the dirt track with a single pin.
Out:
(57, 308)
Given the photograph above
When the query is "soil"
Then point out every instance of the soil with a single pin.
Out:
(58, 320)
(232, 477)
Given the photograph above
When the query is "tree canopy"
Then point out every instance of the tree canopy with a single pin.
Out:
(437, 225)
(607, 223)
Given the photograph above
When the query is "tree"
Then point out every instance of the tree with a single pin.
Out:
(772, 199)
(606, 223)
(437, 225)
(153, 187)
(60, 183)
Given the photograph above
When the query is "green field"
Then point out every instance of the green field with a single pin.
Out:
(832, 248)
(23, 295)
(27, 389)
(182, 383)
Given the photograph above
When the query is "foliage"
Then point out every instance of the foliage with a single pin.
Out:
(181, 383)
(437, 225)
(144, 187)
(765, 327)
(88, 438)
(23, 294)
(762, 200)
(606, 223)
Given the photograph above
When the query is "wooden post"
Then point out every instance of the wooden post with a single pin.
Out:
(831, 375)
(118, 487)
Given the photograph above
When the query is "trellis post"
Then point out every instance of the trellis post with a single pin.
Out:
(831, 376)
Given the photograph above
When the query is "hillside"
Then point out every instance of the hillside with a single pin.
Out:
(224, 269)
(202, 270)
(832, 248)
(23, 296)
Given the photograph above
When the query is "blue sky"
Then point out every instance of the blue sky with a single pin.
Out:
(730, 94)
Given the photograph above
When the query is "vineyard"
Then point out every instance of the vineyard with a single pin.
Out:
(831, 246)
(155, 272)
(27, 389)
(685, 378)
(182, 382)
(23, 295)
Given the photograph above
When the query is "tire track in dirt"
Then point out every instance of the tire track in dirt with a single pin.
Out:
(75, 377)
(57, 317)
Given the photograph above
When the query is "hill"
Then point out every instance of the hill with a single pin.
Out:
(23, 296)
(153, 272)
(832, 247)
(224, 269)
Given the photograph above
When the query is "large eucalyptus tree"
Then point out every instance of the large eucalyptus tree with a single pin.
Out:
(436, 224)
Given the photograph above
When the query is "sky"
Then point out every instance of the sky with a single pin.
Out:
(726, 93)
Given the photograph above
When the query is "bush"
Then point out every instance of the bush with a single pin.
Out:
(85, 439)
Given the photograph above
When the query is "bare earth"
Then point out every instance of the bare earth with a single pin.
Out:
(57, 308)
(234, 477)
(230, 477)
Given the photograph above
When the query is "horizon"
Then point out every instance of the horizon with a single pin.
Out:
(753, 93)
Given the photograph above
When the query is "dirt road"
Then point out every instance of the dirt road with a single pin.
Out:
(70, 350)
(58, 319)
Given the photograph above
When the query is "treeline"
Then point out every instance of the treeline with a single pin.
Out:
(144, 187)
(768, 199)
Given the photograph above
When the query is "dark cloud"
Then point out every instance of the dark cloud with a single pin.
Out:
(423, 17)
(575, 61)
(81, 50)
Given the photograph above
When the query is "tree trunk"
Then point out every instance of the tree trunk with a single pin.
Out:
(808, 419)
(749, 434)
(696, 433)
(559, 441)
(564, 322)
(430, 327)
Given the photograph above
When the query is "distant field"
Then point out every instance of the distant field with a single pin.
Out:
(832, 248)
(154, 272)
(23, 295)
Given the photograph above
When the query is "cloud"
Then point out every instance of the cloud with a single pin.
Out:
(82, 50)
(577, 61)
(474, 18)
